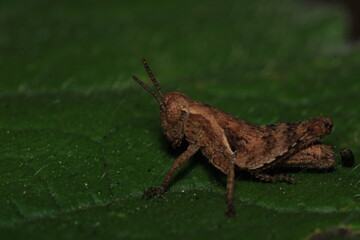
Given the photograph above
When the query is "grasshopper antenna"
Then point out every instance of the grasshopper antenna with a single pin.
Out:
(152, 77)
(149, 90)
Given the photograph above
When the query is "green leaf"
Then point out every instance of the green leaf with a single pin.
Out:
(80, 140)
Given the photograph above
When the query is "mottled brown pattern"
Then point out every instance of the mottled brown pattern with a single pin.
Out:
(237, 143)
(229, 142)
(270, 143)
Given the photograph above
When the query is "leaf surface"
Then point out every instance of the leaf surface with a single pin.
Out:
(80, 140)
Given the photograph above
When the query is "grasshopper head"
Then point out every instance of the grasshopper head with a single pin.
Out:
(173, 107)
(173, 115)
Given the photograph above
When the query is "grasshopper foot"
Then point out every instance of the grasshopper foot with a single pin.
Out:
(153, 192)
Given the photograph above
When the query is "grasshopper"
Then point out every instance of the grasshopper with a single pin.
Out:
(229, 143)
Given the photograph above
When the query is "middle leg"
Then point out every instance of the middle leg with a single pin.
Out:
(230, 191)
(184, 157)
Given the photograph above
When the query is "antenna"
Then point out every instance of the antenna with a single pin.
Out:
(152, 77)
(149, 90)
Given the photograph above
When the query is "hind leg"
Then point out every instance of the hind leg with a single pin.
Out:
(273, 178)
(317, 155)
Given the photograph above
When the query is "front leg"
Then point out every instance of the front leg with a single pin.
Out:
(179, 161)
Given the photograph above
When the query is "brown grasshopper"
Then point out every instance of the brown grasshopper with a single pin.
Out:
(229, 142)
